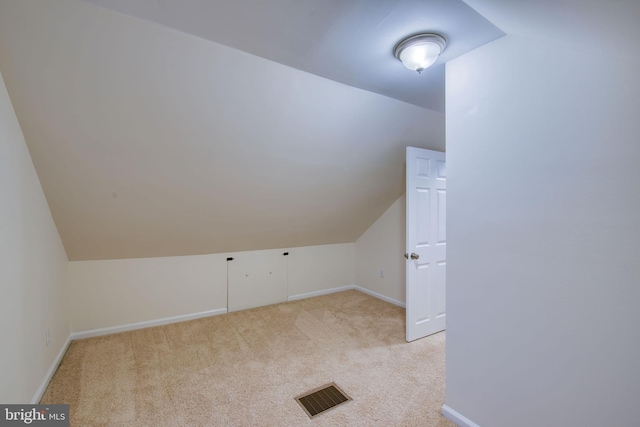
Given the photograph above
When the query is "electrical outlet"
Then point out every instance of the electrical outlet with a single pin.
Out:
(48, 338)
(382, 274)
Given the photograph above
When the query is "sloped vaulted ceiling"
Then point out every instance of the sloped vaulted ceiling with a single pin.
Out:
(149, 141)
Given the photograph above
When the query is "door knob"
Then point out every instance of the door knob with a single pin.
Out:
(415, 256)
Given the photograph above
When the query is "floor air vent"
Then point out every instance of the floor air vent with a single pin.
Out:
(321, 399)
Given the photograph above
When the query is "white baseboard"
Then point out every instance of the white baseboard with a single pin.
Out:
(50, 372)
(141, 325)
(318, 293)
(380, 296)
(457, 418)
(113, 330)
(346, 288)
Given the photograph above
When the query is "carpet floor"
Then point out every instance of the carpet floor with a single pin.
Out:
(245, 368)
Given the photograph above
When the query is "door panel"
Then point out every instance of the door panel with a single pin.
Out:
(422, 312)
(422, 227)
(255, 279)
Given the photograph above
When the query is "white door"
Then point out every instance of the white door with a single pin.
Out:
(426, 242)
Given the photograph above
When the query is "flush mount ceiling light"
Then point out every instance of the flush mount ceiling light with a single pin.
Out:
(420, 51)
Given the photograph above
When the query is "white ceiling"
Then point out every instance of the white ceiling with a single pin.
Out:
(150, 141)
(349, 41)
(609, 27)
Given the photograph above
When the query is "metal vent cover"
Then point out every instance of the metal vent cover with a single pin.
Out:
(321, 399)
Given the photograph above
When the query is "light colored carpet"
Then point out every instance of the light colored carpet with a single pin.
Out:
(245, 368)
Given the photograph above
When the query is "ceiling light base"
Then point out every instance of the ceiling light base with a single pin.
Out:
(420, 51)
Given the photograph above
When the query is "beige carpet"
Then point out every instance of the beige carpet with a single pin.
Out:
(245, 368)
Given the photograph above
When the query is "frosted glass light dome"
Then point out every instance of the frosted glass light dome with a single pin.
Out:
(420, 51)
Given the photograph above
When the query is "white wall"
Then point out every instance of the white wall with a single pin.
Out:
(319, 268)
(543, 298)
(382, 247)
(33, 268)
(111, 293)
(114, 293)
